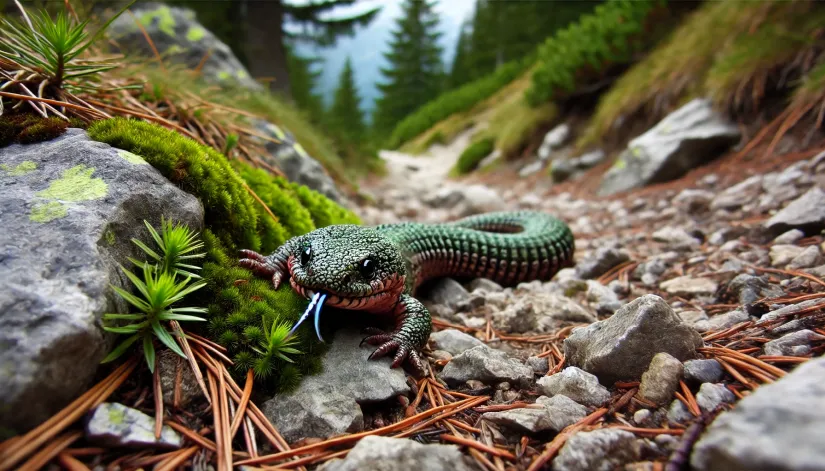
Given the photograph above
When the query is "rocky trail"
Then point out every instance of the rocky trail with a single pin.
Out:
(685, 305)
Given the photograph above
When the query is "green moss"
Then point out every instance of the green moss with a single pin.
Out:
(29, 128)
(473, 154)
(27, 166)
(76, 184)
(195, 34)
(49, 211)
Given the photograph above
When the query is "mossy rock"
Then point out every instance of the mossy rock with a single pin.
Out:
(28, 128)
(239, 303)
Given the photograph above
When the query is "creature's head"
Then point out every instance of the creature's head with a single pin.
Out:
(356, 267)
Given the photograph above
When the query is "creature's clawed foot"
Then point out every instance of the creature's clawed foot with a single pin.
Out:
(261, 265)
(388, 343)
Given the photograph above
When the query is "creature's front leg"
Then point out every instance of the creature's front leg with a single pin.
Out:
(412, 329)
(275, 265)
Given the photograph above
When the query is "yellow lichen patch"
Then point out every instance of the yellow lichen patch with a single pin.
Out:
(76, 184)
(131, 158)
(165, 21)
(20, 169)
(195, 33)
(45, 212)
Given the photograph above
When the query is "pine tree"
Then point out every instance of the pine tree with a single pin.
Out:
(415, 73)
(460, 70)
(304, 81)
(345, 116)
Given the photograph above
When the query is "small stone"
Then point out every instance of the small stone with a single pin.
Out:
(806, 213)
(676, 238)
(667, 442)
(600, 262)
(170, 364)
(622, 346)
(641, 416)
(484, 285)
(694, 201)
(448, 292)
(113, 424)
(691, 317)
(441, 355)
(487, 365)
(400, 454)
(688, 286)
(749, 288)
(606, 300)
(453, 341)
(519, 317)
(722, 321)
(711, 396)
(807, 259)
(649, 279)
(703, 371)
(795, 344)
(661, 379)
(782, 255)
(789, 237)
(734, 197)
(778, 426)
(540, 365)
(558, 412)
(563, 410)
(787, 310)
(604, 449)
(678, 413)
(576, 384)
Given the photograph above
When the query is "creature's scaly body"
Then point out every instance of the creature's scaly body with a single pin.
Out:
(377, 269)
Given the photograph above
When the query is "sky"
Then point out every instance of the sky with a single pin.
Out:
(368, 44)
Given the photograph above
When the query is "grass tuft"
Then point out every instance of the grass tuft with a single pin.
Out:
(473, 154)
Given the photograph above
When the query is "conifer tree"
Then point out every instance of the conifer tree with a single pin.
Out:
(415, 74)
(345, 116)
(460, 70)
(304, 82)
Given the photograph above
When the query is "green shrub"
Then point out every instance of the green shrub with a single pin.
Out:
(455, 101)
(473, 154)
(585, 49)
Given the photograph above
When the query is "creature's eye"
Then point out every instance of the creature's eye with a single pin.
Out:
(306, 254)
(367, 267)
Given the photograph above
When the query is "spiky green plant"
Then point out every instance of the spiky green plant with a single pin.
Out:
(158, 291)
(176, 243)
(274, 341)
(51, 49)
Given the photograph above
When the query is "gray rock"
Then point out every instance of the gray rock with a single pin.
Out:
(113, 424)
(484, 285)
(787, 310)
(400, 454)
(559, 307)
(688, 137)
(475, 199)
(789, 237)
(661, 379)
(748, 288)
(795, 344)
(600, 450)
(694, 201)
(554, 139)
(622, 346)
(531, 168)
(676, 238)
(641, 416)
(170, 365)
(290, 156)
(703, 371)
(329, 402)
(689, 286)
(323, 413)
(782, 255)
(808, 258)
(711, 396)
(678, 413)
(518, 317)
(722, 321)
(691, 316)
(540, 365)
(487, 365)
(777, 427)
(736, 196)
(453, 341)
(561, 170)
(605, 299)
(590, 159)
(69, 208)
(448, 292)
(576, 384)
(600, 262)
(563, 410)
(806, 213)
(180, 39)
(523, 420)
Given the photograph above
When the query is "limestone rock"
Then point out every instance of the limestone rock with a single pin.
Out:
(599, 450)
(600, 262)
(576, 384)
(703, 371)
(661, 379)
(794, 344)
(487, 365)
(453, 341)
(690, 136)
(622, 346)
(778, 427)
(689, 286)
(113, 424)
(67, 224)
(400, 454)
(806, 213)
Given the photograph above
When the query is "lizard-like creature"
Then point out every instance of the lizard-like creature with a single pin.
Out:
(378, 269)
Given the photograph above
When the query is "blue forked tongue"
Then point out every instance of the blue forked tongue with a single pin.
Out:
(316, 303)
